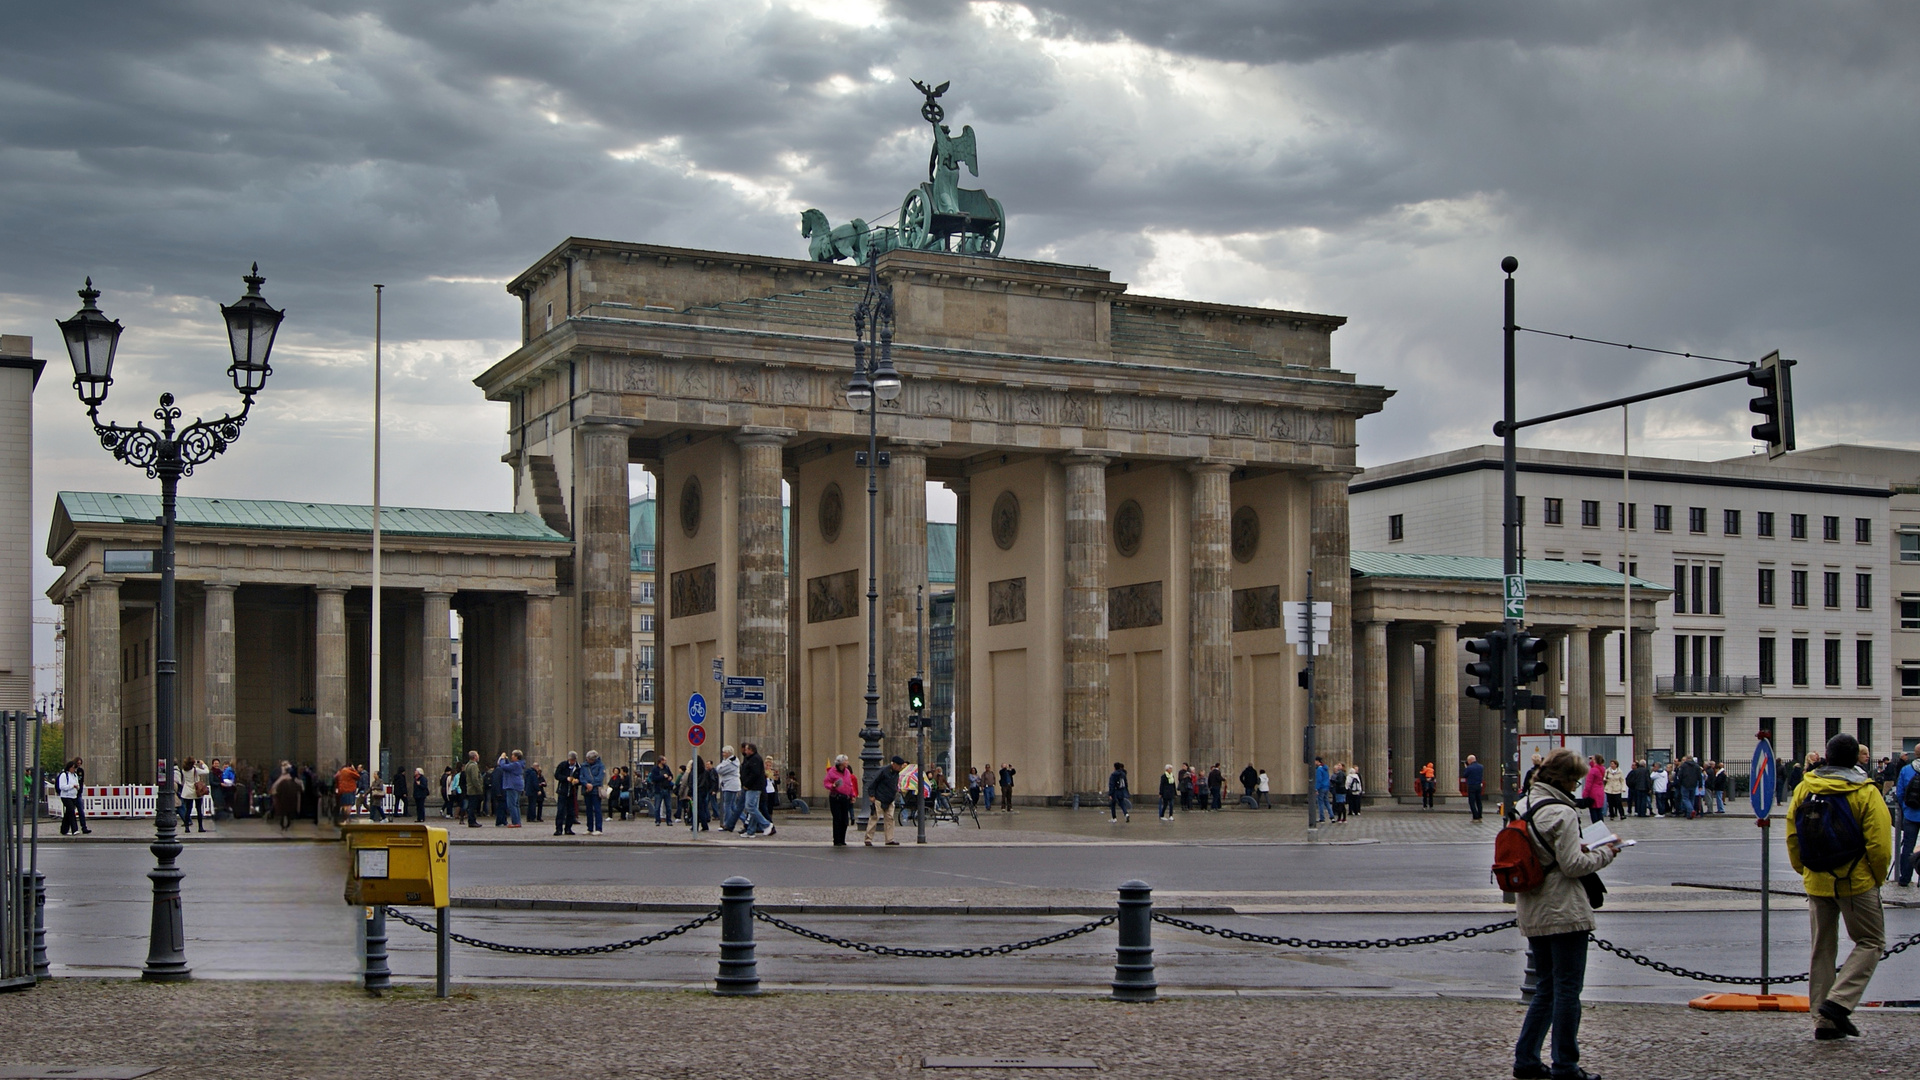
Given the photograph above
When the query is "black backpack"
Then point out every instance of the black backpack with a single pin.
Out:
(1830, 838)
(1910, 797)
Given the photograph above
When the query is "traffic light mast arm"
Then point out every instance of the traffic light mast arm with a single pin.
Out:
(1500, 428)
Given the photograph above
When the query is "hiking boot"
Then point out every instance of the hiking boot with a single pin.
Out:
(1841, 1018)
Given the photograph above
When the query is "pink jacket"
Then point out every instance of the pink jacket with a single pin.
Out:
(1595, 787)
(841, 782)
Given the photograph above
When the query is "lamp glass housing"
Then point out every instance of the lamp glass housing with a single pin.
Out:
(251, 326)
(886, 380)
(859, 390)
(92, 339)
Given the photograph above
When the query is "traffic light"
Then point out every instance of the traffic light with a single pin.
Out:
(1528, 666)
(1774, 406)
(1489, 669)
(916, 694)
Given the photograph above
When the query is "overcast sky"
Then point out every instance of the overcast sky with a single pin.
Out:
(1723, 177)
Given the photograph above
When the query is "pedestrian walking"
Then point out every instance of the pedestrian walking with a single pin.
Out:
(536, 782)
(1266, 791)
(1119, 799)
(1322, 793)
(1557, 919)
(1474, 775)
(513, 784)
(1355, 790)
(660, 793)
(1614, 782)
(842, 788)
(1007, 773)
(1337, 790)
(472, 785)
(754, 785)
(67, 785)
(1840, 839)
(1169, 791)
(1717, 785)
(880, 799)
(728, 770)
(1249, 783)
(1906, 793)
(1216, 780)
(285, 794)
(1639, 781)
(193, 789)
(1426, 786)
(419, 795)
(1593, 789)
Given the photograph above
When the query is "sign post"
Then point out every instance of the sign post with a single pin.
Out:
(1762, 796)
(696, 734)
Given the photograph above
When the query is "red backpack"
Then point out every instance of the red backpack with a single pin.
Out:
(1516, 865)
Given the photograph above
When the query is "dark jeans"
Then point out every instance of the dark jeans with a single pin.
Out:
(1006, 797)
(1473, 801)
(596, 820)
(1166, 806)
(1213, 796)
(473, 810)
(1909, 830)
(70, 818)
(1118, 805)
(842, 807)
(564, 815)
(1561, 963)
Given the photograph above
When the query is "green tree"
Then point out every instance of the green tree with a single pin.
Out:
(53, 748)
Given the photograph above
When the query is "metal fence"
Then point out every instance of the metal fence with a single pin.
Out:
(23, 959)
(1732, 685)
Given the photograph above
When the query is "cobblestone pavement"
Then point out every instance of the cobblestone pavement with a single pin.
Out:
(242, 1030)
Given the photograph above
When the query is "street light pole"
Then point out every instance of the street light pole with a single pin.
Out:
(870, 385)
(167, 454)
(920, 723)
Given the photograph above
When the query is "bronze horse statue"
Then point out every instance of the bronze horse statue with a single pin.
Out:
(828, 244)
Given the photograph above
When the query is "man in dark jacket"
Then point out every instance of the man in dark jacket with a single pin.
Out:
(1250, 779)
(1639, 783)
(1475, 775)
(471, 785)
(753, 787)
(536, 782)
(1119, 797)
(1687, 777)
(1007, 773)
(885, 789)
(1215, 781)
(563, 792)
(419, 795)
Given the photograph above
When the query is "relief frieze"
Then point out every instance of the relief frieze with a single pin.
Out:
(1130, 607)
(833, 596)
(1256, 608)
(1007, 601)
(693, 592)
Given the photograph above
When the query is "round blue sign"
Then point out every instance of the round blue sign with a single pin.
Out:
(1764, 780)
(696, 735)
(697, 710)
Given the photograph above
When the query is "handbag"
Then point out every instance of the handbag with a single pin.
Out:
(200, 789)
(1596, 890)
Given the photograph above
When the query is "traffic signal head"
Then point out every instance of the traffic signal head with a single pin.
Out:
(1529, 665)
(916, 694)
(1774, 406)
(1489, 669)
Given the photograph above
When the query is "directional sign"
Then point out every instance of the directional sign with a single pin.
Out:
(696, 711)
(719, 668)
(741, 693)
(696, 735)
(1763, 780)
(745, 706)
(630, 731)
(1516, 596)
(1299, 629)
(746, 680)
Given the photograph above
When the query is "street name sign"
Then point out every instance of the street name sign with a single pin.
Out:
(630, 731)
(741, 693)
(746, 680)
(745, 706)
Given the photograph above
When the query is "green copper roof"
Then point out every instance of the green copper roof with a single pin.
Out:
(1398, 564)
(101, 508)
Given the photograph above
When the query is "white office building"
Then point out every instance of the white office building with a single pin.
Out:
(1782, 613)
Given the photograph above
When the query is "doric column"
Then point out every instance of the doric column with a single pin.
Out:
(1443, 661)
(962, 629)
(1210, 619)
(432, 742)
(1406, 764)
(1084, 725)
(903, 563)
(1332, 574)
(1556, 671)
(1597, 682)
(101, 723)
(218, 623)
(795, 601)
(537, 648)
(408, 727)
(603, 583)
(330, 679)
(663, 700)
(1374, 708)
(1579, 681)
(762, 625)
(1640, 668)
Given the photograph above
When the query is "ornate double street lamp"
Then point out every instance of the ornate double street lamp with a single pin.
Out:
(168, 454)
(874, 380)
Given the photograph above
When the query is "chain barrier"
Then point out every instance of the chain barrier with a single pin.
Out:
(582, 950)
(1730, 980)
(933, 954)
(1331, 943)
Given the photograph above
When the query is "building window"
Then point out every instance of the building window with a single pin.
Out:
(1590, 513)
(1716, 655)
(1798, 662)
(1830, 528)
(1679, 589)
(1797, 526)
(1696, 519)
(1797, 585)
(1699, 590)
(1713, 590)
(646, 624)
(1396, 526)
(1680, 655)
(1863, 730)
(1662, 518)
(1910, 681)
(1830, 588)
(1551, 511)
(1863, 530)
(1767, 671)
(1763, 593)
(646, 592)
(646, 691)
(1833, 727)
(1910, 547)
(1730, 522)
(1910, 611)
(1863, 663)
(1830, 670)
(1800, 738)
(1629, 515)
(646, 658)
(1763, 523)
(1863, 592)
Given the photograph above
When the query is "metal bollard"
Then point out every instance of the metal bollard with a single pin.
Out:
(40, 969)
(442, 961)
(1133, 959)
(739, 972)
(379, 978)
(1529, 981)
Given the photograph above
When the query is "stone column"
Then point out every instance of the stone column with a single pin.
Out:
(74, 677)
(1374, 709)
(603, 582)
(1332, 574)
(796, 725)
(101, 723)
(1406, 761)
(330, 680)
(537, 649)
(221, 715)
(1597, 682)
(409, 729)
(1443, 661)
(962, 629)
(433, 741)
(1579, 680)
(663, 700)
(1210, 625)
(761, 645)
(903, 568)
(1084, 726)
(1556, 671)
(1640, 670)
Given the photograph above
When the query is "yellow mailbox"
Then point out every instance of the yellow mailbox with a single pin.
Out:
(396, 864)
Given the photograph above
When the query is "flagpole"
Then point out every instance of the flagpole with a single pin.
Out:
(373, 722)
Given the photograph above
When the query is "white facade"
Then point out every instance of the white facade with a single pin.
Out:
(18, 374)
(1813, 656)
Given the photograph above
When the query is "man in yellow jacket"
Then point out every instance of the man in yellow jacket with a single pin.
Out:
(1845, 884)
